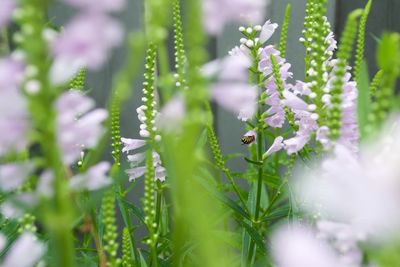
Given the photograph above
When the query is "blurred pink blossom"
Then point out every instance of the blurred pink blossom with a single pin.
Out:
(86, 41)
(6, 9)
(362, 190)
(276, 146)
(295, 246)
(94, 178)
(26, 251)
(13, 175)
(77, 128)
(14, 115)
(98, 5)
(218, 13)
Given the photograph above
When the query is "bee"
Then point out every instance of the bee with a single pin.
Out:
(248, 139)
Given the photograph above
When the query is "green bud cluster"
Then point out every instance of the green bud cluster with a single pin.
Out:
(78, 82)
(316, 45)
(127, 260)
(284, 32)
(27, 223)
(374, 86)
(361, 41)
(149, 200)
(149, 103)
(115, 128)
(215, 148)
(180, 58)
(343, 55)
(110, 227)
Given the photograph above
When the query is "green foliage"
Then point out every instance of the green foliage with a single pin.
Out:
(284, 32)
(388, 57)
(343, 56)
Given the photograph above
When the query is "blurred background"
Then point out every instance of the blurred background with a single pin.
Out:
(384, 17)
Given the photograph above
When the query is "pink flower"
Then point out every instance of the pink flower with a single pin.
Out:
(275, 147)
(295, 246)
(294, 102)
(240, 99)
(362, 191)
(172, 114)
(13, 175)
(267, 31)
(218, 13)
(94, 178)
(25, 252)
(14, 115)
(77, 128)
(86, 41)
(295, 144)
(98, 5)
(6, 9)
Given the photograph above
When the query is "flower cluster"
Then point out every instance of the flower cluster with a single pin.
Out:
(81, 43)
(286, 101)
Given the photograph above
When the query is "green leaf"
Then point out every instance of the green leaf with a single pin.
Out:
(225, 200)
(135, 210)
(258, 163)
(255, 236)
(364, 100)
(388, 55)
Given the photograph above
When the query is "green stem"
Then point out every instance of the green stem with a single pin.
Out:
(260, 139)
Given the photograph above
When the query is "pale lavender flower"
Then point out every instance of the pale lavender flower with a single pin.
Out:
(267, 31)
(77, 128)
(45, 184)
(25, 252)
(295, 246)
(132, 144)
(3, 241)
(276, 146)
(135, 173)
(172, 114)
(344, 239)
(93, 179)
(232, 90)
(98, 5)
(295, 144)
(265, 64)
(6, 9)
(15, 207)
(240, 99)
(82, 44)
(218, 13)
(14, 115)
(13, 175)
(360, 191)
